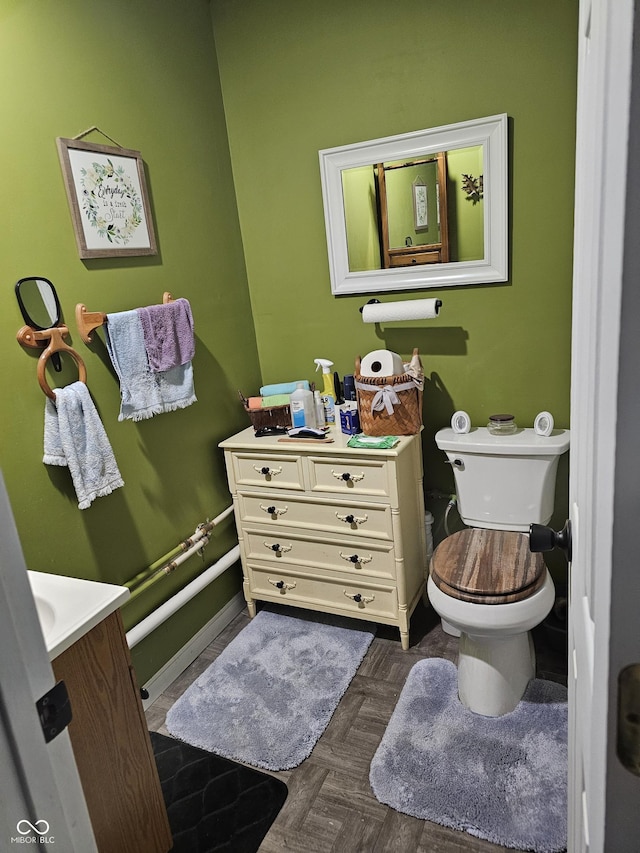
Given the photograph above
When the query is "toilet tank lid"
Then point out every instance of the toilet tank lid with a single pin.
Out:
(524, 442)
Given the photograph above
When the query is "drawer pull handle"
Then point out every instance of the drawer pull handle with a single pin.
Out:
(277, 548)
(353, 520)
(268, 472)
(346, 477)
(355, 558)
(273, 510)
(359, 599)
(281, 585)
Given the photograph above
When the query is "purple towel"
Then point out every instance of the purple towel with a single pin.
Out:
(168, 334)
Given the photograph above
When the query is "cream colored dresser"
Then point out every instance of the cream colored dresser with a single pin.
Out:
(330, 528)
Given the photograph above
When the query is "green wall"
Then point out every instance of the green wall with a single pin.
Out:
(145, 73)
(297, 78)
(466, 232)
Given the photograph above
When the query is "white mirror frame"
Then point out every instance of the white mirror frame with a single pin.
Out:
(491, 133)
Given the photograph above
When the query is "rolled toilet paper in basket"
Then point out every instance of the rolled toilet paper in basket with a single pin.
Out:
(412, 309)
(382, 362)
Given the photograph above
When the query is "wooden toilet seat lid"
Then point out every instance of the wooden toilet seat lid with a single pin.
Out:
(487, 566)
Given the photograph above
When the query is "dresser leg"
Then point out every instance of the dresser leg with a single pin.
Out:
(404, 639)
(251, 607)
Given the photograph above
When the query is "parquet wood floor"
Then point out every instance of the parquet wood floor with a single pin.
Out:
(331, 807)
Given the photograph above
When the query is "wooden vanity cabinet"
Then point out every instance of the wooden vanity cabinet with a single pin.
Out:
(111, 743)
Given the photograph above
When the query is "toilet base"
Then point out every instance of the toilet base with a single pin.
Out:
(493, 672)
(496, 659)
(449, 629)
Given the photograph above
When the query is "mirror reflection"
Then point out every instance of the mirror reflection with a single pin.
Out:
(414, 211)
(40, 307)
(421, 209)
(38, 302)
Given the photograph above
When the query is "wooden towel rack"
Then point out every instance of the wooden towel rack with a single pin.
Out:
(55, 336)
(88, 321)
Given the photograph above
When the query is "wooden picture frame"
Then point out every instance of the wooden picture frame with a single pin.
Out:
(420, 206)
(107, 194)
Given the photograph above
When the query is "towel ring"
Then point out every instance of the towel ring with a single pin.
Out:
(55, 335)
(57, 344)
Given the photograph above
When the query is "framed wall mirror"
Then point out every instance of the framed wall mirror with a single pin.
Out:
(418, 210)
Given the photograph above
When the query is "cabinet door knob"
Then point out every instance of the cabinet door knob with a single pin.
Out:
(355, 558)
(353, 520)
(266, 471)
(359, 599)
(274, 511)
(281, 585)
(346, 477)
(277, 548)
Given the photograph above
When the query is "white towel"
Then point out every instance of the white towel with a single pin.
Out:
(75, 437)
(143, 393)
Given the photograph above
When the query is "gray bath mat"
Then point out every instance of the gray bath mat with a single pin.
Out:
(498, 778)
(270, 694)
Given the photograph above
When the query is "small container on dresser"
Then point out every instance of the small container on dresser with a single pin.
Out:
(330, 528)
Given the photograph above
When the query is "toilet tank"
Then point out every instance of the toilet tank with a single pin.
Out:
(504, 482)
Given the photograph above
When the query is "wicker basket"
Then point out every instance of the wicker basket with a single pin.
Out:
(389, 405)
(275, 416)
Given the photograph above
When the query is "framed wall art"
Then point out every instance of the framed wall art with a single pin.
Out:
(107, 194)
(420, 206)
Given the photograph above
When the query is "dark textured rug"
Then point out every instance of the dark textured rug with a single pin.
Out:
(267, 698)
(503, 779)
(214, 805)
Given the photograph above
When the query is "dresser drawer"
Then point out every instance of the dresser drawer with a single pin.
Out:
(333, 594)
(353, 518)
(350, 476)
(344, 555)
(268, 469)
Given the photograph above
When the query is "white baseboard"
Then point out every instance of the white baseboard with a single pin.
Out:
(165, 676)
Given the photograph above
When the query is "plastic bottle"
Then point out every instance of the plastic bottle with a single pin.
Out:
(302, 408)
(319, 407)
(328, 398)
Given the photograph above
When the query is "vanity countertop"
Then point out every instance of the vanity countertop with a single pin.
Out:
(70, 607)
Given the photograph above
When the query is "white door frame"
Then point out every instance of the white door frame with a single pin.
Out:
(601, 439)
(40, 792)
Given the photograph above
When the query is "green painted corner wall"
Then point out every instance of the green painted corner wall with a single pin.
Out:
(145, 73)
(229, 124)
(296, 79)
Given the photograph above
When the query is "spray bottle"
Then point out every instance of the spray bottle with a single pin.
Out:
(328, 399)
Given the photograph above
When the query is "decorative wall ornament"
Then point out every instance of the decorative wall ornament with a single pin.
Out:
(473, 188)
(107, 195)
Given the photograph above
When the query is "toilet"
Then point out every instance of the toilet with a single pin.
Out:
(484, 582)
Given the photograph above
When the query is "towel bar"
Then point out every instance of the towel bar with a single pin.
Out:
(88, 321)
(55, 336)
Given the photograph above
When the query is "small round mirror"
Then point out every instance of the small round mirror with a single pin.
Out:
(38, 301)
